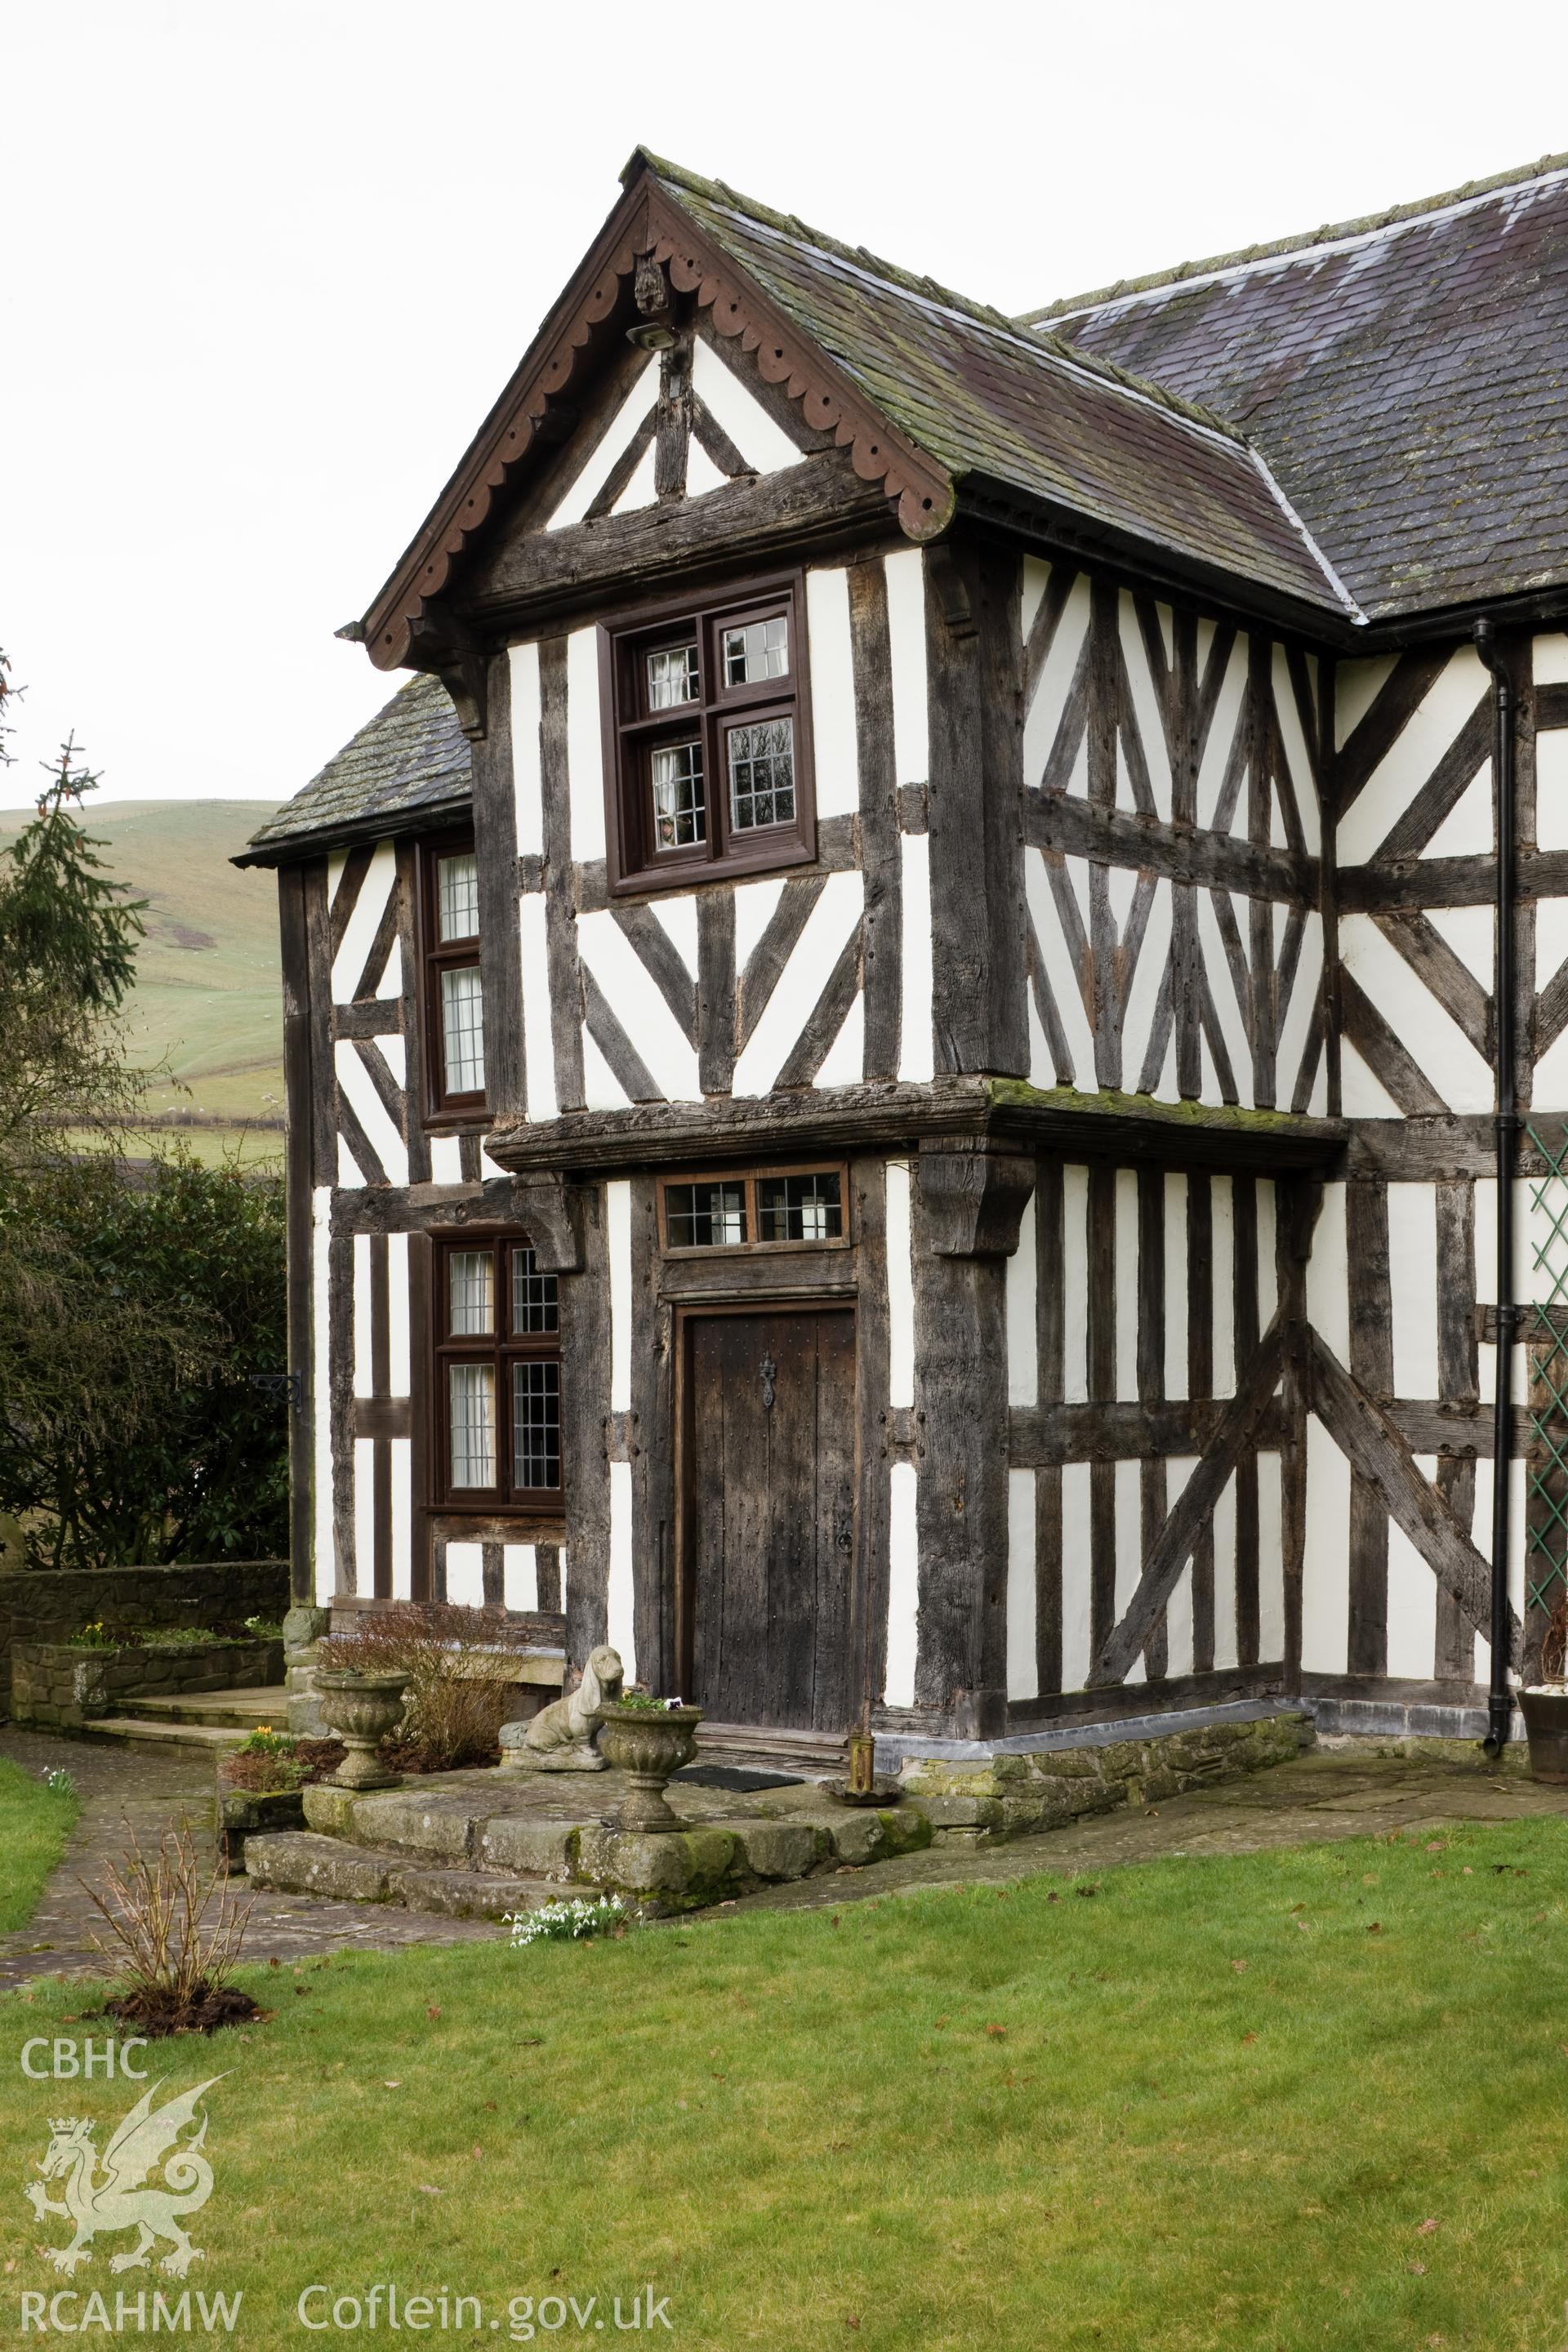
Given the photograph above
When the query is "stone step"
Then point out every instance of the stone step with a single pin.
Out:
(223, 1710)
(140, 1731)
(301, 1861)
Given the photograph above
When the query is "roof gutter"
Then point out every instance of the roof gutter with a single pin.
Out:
(1499, 1702)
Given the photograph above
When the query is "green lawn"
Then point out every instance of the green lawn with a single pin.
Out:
(1314, 2097)
(34, 1822)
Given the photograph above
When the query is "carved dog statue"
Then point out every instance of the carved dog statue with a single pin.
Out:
(560, 1739)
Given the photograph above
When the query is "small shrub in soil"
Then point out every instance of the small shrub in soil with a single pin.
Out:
(174, 1935)
(454, 1709)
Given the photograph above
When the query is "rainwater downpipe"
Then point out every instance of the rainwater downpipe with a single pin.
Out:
(1499, 1702)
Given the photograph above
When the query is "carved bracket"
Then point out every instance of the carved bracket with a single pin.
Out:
(550, 1212)
(973, 1197)
(439, 644)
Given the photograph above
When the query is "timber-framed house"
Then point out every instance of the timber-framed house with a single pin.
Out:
(896, 1087)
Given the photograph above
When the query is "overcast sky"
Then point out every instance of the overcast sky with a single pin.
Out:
(265, 268)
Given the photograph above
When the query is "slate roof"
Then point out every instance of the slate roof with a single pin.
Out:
(1405, 378)
(412, 758)
(1022, 410)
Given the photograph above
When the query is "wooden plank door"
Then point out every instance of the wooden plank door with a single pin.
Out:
(770, 1534)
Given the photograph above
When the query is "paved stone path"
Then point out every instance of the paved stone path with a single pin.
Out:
(126, 1788)
(1324, 1795)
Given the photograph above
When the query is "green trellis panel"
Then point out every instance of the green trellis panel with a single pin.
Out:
(1546, 1329)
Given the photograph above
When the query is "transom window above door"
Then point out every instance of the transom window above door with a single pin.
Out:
(497, 1325)
(708, 769)
(762, 1209)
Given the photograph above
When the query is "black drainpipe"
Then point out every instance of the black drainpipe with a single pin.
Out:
(1499, 1704)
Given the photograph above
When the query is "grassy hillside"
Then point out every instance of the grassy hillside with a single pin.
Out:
(209, 999)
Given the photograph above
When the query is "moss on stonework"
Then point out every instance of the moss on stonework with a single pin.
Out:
(1016, 1093)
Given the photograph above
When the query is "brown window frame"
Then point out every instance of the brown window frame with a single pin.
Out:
(631, 733)
(749, 1178)
(500, 1349)
(445, 1108)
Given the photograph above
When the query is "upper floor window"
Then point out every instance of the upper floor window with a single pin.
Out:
(453, 997)
(709, 758)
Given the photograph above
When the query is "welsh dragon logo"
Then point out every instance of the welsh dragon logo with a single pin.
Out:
(114, 2198)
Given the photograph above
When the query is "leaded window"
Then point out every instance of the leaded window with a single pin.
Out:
(454, 1022)
(761, 1209)
(709, 761)
(498, 1375)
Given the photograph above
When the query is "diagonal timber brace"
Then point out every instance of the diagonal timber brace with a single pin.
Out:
(1171, 1548)
(1371, 1444)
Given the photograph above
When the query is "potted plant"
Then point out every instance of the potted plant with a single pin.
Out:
(362, 1704)
(647, 1738)
(1544, 1705)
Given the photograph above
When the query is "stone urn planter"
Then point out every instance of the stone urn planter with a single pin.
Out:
(362, 1709)
(1545, 1711)
(647, 1744)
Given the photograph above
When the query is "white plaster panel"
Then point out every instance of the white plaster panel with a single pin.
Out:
(1225, 1645)
(1179, 1468)
(1357, 685)
(1411, 1601)
(1222, 1201)
(1551, 659)
(1043, 720)
(1143, 993)
(1328, 1279)
(321, 1393)
(402, 1518)
(584, 746)
(1362, 1092)
(1060, 970)
(1032, 591)
(520, 1576)
(1075, 1576)
(640, 1008)
(358, 932)
(844, 1064)
(900, 1287)
(364, 1514)
(602, 1090)
(598, 465)
(1471, 932)
(1461, 1076)
(677, 916)
(762, 443)
(527, 773)
(1145, 704)
(755, 905)
(1075, 1285)
(398, 1358)
(1467, 830)
(365, 1380)
(1023, 1671)
(1297, 758)
(446, 1160)
(393, 1052)
(903, 1586)
(1412, 1276)
(1222, 733)
(813, 957)
(466, 1575)
(538, 1035)
(641, 487)
(907, 653)
(834, 749)
(349, 1175)
(1175, 1285)
(370, 1110)
(1233, 1027)
(1127, 1286)
(391, 981)
(1326, 1577)
(1411, 758)
(916, 1049)
(1130, 1548)
(620, 1594)
(1551, 789)
(1270, 1563)
(618, 1234)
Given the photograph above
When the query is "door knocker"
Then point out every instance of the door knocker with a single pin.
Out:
(769, 1373)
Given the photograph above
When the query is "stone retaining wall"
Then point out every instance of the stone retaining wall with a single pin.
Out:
(62, 1685)
(1012, 1796)
(46, 1604)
